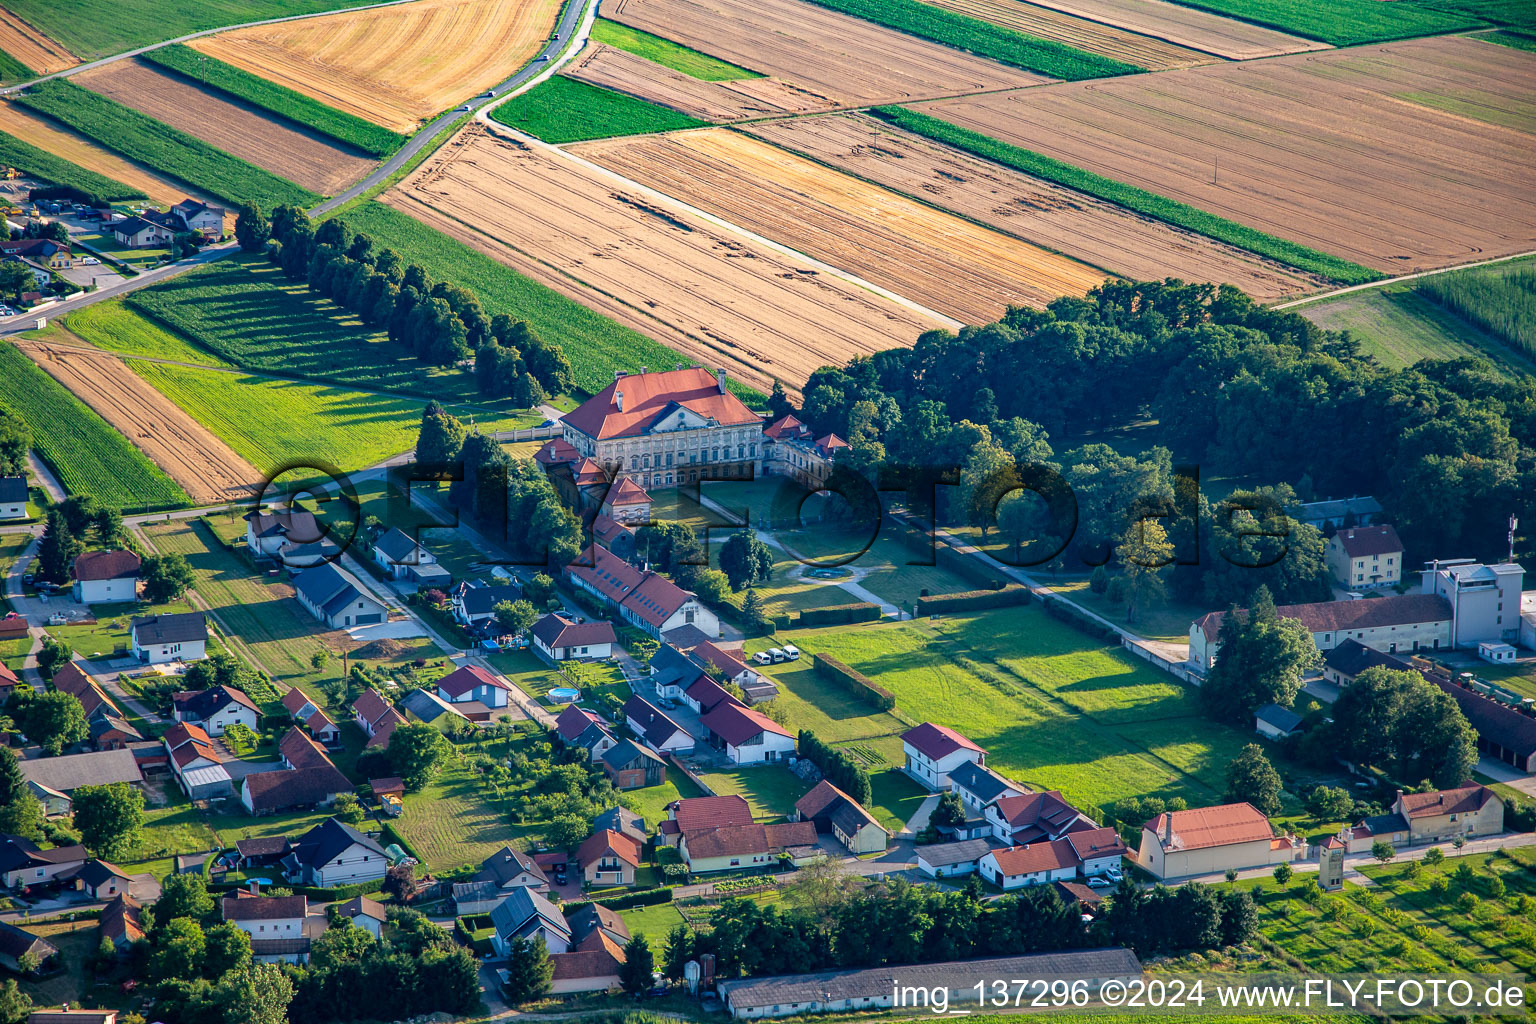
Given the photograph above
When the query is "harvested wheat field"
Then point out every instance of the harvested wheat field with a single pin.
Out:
(1059, 218)
(302, 156)
(1091, 36)
(395, 66)
(1339, 150)
(1225, 37)
(30, 46)
(78, 150)
(947, 264)
(699, 289)
(200, 463)
(845, 61)
(621, 71)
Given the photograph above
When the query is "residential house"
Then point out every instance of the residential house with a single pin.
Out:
(196, 762)
(215, 709)
(581, 727)
(101, 880)
(48, 252)
(474, 602)
(402, 557)
(274, 923)
(631, 766)
(509, 869)
(559, 639)
(611, 535)
(1339, 513)
(16, 943)
(122, 921)
(199, 217)
(13, 497)
(1211, 840)
(1098, 850)
(749, 737)
(334, 853)
(23, 864)
(1275, 722)
(293, 789)
(671, 672)
(1394, 623)
(367, 914)
(704, 695)
(732, 847)
(526, 914)
(376, 717)
(953, 981)
(622, 820)
(608, 859)
(475, 692)
(69, 772)
(837, 814)
(159, 639)
(1484, 599)
(655, 729)
(1436, 817)
(701, 813)
(728, 667)
(308, 714)
(933, 751)
(266, 533)
(645, 599)
(977, 786)
(106, 577)
(1346, 661)
(426, 706)
(8, 682)
(105, 723)
(141, 233)
(337, 598)
(950, 860)
(264, 852)
(589, 966)
(668, 428)
(1365, 557)
(1031, 864)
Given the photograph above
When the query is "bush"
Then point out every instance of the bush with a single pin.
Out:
(645, 898)
(974, 600)
(856, 683)
(840, 614)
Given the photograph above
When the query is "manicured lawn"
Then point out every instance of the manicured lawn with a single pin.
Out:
(526, 671)
(651, 802)
(1169, 622)
(451, 823)
(770, 790)
(562, 109)
(652, 922)
(894, 797)
(667, 53)
(110, 633)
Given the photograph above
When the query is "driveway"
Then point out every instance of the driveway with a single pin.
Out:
(403, 629)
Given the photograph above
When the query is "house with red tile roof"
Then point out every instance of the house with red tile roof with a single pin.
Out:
(1210, 840)
(734, 847)
(792, 450)
(608, 858)
(627, 502)
(1031, 864)
(582, 727)
(559, 639)
(645, 599)
(216, 709)
(702, 813)
(105, 577)
(308, 714)
(475, 692)
(747, 736)
(933, 751)
(377, 718)
(1018, 819)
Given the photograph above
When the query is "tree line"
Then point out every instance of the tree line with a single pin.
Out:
(440, 323)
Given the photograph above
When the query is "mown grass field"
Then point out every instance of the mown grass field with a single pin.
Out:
(1341, 22)
(564, 110)
(89, 456)
(1054, 708)
(594, 344)
(161, 147)
(769, 789)
(1181, 214)
(97, 28)
(450, 824)
(280, 100)
(667, 53)
(652, 922)
(651, 802)
(116, 328)
(1400, 327)
(1006, 46)
(44, 165)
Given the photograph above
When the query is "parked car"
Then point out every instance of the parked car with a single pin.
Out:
(27, 578)
(778, 655)
(90, 261)
(1099, 883)
(1113, 874)
(763, 658)
(790, 651)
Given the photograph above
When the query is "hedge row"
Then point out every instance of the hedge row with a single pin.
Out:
(314, 892)
(840, 614)
(856, 683)
(973, 600)
(1068, 614)
(646, 898)
(388, 834)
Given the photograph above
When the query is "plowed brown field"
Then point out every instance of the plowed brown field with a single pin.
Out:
(394, 66)
(1092, 36)
(846, 61)
(699, 289)
(302, 156)
(1079, 225)
(711, 101)
(1225, 37)
(204, 466)
(1326, 149)
(950, 265)
(77, 149)
(30, 46)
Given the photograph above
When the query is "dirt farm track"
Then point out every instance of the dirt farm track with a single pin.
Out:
(696, 288)
(203, 465)
(394, 66)
(1405, 156)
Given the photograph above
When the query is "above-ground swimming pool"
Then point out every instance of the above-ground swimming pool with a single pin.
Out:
(564, 694)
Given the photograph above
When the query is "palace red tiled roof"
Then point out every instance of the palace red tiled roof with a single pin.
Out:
(650, 396)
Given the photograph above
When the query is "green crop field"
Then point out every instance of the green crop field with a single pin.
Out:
(1129, 196)
(1054, 708)
(89, 456)
(1513, 40)
(98, 28)
(1004, 45)
(1341, 22)
(595, 345)
(280, 100)
(1399, 327)
(41, 164)
(1500, 12)
(665, 52)
(1497, 300)
(161, 147)
(13, 70)
(564, 110)
(115, 327)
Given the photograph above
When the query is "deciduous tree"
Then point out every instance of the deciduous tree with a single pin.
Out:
(109, 817)
(1251, 778)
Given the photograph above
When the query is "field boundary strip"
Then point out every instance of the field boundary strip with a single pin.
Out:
(1129, 196)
